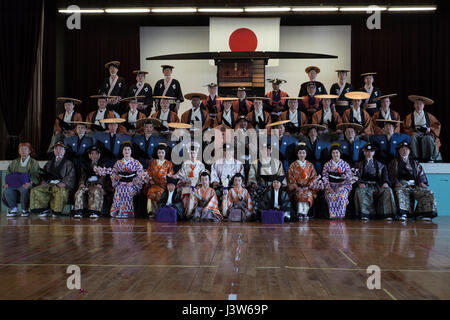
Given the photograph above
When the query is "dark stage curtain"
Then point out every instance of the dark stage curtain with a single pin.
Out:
(87, 50)
(410, 53)
(19, 32)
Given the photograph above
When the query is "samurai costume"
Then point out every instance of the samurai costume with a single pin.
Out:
(242, 107)
(213, 107)
(114, 87)
(94, 189)
(320, 88)
(55, 172)
(373, 201)
(351, 151)
(378, 126)
(191, 116)
(165, 118)
(342, 103)
(298, 119)
(371, 104)
(143, 90)
(190, 172)
(170, 89)
(387, 146)
(226, 118)
(360, 117)
(424, 146)
(409, 173)
(337, 175)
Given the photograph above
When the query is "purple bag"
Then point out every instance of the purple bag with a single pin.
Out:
(166, 214)
(17, 179)
(272, 217)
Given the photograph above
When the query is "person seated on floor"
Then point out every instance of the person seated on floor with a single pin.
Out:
(91, 186)
(171, 198)
(58, 180)
(22, 174)
(275, 198)
(239, 205)
(411, 184)
(387, 142)
(206, 204)
(301, 179)
(373, 197)
(424, 129)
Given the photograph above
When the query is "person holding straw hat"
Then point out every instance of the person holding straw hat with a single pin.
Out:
(424, 129)
(356, 114)
(385, 113)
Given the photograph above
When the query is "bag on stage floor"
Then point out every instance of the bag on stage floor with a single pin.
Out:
(272, 217)
(17, 179)
(166, 214)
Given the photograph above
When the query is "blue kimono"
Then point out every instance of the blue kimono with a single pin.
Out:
(79, 147)
(318, 153)
(351, 153)
(105, 139)
(387, 150)
(153, 142)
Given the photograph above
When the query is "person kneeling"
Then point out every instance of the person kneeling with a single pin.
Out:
(373, 197)
(206, 205)
(276, 202)
(239, 202)
(170, 203)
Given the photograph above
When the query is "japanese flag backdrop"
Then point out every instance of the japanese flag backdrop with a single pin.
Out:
(245, 34)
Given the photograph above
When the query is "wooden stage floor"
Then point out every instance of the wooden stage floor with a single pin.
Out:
(142, 259)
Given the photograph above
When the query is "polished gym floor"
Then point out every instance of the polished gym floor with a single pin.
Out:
(143, 259)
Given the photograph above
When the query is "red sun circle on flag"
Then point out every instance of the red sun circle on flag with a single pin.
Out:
(243, 39)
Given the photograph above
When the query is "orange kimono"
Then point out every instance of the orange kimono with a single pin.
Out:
(302, 175)
(235, 106)
(158, 174)
(186, 117)
(209, 199)
(317, 118)
(366, 120)
(75, 117)
(378, 126)
(432, 122)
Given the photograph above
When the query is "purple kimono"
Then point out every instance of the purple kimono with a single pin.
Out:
(128, 171)
(336, 175)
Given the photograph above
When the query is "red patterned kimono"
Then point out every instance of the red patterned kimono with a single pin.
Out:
(302, 175)
(209, 200)
(236, 195)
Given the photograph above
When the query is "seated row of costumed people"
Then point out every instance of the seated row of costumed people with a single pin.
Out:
(381, 191)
